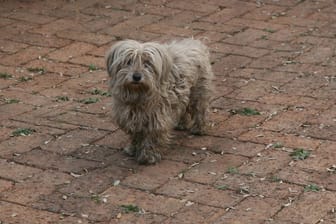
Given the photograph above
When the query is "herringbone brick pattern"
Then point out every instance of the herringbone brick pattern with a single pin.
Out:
(270, 153)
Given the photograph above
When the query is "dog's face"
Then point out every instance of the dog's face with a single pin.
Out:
(136, 69)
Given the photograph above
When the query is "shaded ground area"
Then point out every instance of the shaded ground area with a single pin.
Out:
(269, 156)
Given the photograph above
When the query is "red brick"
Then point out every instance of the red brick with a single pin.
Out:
(228, 104)
(295, 175)
(287, 140)
(264, 12)
(296, 101)
(253, 90)
(73, 140)
(41, 82)
(182, 19)
(258, 25)
(133, 24)
(66, 53)
(316, 55)
(288, 120)
(251, 210)
(40, 40)
(212, 168)
(16, 172)
(193, 6)
(236, 125)
(243, 51)
(10, 46)
(116, 140)
(24, 97)
(139, 8)
(195, 213)
(203, 194)
(169, 30)
(272, 159)
(94, 182)
(245, 37)
(153, 203)
(222, 145)
(113, 13)
(273, 60)
(25, 192)
(302, 22)
(309, 209)
(138, 218)
(30, 17)
(5, 185)
(87, 60)
(220, 28)
(259, 187)
(87, 208)
(278, 45)
(45, 160)
(152, 177)
(5, 133)
(6, 21)
(58, 67)
(99, 153)
(56, 26)
(230, 63)
(92, 38)
(322, 158)
(13, 110)
(14, 213)
(21, 144)
(40, 117)
(87, 120)
(225, 15)
(287, 35)
(177, 152)
(25, 55)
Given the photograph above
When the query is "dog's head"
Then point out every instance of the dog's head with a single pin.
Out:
(137, 70)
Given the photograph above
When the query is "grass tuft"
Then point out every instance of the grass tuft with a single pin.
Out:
(89, 100)
(23, 132)
(4, 75)
(25, 79)
(312, 187)
(232, 170)
(62, 98)
(37, 70)
(300, 154)
(92, 67)
(245, 111)
(10, 101)
(130, 208)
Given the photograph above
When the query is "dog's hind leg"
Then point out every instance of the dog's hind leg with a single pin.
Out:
(199, 102)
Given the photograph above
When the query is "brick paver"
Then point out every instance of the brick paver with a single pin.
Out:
(60, 154)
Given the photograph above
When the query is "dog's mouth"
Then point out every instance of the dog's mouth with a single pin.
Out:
(136, 86)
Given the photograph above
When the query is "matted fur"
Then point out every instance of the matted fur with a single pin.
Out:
(174, 91)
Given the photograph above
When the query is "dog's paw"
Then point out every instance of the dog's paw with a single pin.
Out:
(197, 131)
(148, 156)
(130, 150)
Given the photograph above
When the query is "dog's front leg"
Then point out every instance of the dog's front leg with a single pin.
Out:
(148, 148)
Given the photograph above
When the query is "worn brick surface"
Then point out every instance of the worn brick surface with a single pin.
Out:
(275, 86)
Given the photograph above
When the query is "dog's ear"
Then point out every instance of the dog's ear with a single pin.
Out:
(111, 59)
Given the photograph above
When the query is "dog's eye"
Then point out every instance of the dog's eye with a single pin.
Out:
(147, 64)
(129, 62)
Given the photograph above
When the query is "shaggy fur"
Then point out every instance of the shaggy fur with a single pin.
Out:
(158, 87)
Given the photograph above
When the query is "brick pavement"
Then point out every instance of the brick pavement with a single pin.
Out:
(269, 156)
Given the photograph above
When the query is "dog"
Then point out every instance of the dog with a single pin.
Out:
(156, 88)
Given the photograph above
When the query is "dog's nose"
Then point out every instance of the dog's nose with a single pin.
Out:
(136, 76)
